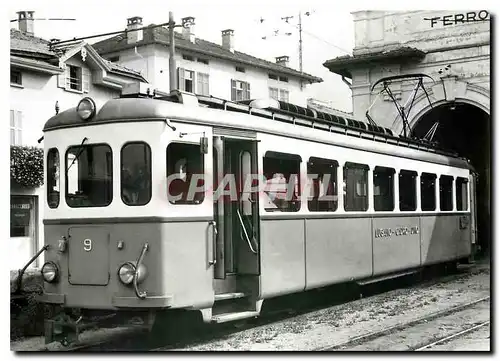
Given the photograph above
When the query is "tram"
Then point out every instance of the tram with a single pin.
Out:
(191, 202)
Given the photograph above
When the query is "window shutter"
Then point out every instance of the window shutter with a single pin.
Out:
(85, 80)
(61, 78)
(206, 88)
(67, 77)
(180, 79)
(199, 84)
(233, 89)
(247, 90)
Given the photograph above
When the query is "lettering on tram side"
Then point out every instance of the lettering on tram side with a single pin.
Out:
(398, 231)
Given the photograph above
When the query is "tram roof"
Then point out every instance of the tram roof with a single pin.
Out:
(221, 113)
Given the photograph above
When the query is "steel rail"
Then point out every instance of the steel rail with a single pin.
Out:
(447, 338)
(401, 326)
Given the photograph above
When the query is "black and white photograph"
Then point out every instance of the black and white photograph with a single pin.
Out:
(195, 177)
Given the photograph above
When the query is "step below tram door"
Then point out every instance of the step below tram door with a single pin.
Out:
(236, 212)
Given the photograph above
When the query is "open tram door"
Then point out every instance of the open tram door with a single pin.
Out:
(236, 211)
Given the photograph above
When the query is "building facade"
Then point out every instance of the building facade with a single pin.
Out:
(43, 77)
(203, 67)
(451, 49)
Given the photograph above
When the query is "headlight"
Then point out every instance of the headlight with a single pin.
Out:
(50, 272)
(126, 273)
(86, 108)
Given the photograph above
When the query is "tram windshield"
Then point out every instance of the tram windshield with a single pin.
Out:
(89, 176)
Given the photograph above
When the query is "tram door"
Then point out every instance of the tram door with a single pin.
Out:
(236, 208)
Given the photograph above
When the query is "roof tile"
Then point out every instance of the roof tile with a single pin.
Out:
(160, 35)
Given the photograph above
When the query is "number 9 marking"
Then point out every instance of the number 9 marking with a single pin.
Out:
(87, 245)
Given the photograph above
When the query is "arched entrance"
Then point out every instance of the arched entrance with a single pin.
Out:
(466, 129)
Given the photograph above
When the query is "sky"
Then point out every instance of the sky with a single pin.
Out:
(328, 31)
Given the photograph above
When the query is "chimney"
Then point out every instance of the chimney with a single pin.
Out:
(132, 24)
(283, 60)
(188, 28)
(25, 19)
(228, 40)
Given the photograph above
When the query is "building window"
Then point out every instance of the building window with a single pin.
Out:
(322, 175)
(428, 191)
(240, 90)
(16, 127)
(22, 212)
(136, 174)
(355, 187)
(89, 176)
(185, 170)
(240, 69)
(186, 80)
(203, 61)
(383, 189)
(274, 93)
(284, 95)
(461, 188)
(16, 77)
(279, 94)
(77, 78)
(187, 57)
(273, 76)
(53, 173)
(407, 190)
(284, 79)
(282, 189)
(445, 193)
(202, 86)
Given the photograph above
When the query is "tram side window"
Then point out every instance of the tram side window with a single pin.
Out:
(445, 193)
(407, 190)
(53, 174)
(461, 187)
(356, 187)
(383, 189)
(136, 174)
(282, 189)
(89, 175)
(428, 191)
(322, 175)
(185, 171)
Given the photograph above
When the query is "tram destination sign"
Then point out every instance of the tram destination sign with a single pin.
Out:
(398, 231)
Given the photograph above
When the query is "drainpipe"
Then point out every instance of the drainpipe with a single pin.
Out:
(346, 81)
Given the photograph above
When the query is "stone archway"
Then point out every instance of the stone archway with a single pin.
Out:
(466, 129)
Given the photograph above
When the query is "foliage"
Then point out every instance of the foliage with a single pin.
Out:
(26, 166)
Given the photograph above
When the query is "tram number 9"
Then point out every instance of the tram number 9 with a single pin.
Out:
(87, 245)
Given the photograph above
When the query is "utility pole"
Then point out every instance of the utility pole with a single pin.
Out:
(171, 63)
(300, 48)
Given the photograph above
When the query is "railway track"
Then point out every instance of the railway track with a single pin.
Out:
(359, 342)
(144, 341)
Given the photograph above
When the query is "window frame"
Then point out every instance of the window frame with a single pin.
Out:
(245, 91)
(414, 175)
(17, 73)
(202, 162)
(317, 200)
(441, 191)
(108, 166)
(149, 171)
(433, 176)
(366, 169)
(459, 182)
(287, 157)
(384, 170)
(57, 179)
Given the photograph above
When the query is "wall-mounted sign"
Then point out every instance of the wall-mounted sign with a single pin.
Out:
(461, 18)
